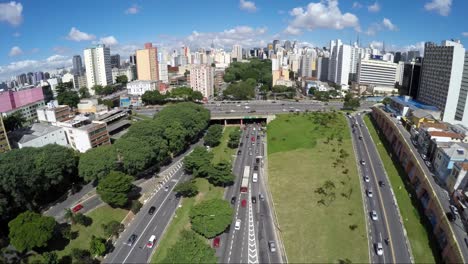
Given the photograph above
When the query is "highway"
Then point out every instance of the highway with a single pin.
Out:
(250, 243)
(144, 225)
(388, 226)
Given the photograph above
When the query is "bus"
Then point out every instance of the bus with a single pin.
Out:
(245, 180)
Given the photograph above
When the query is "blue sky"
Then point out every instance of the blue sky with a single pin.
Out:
(45, 34)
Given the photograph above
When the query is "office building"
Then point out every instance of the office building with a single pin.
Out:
(24, 101)
(410, 82)
(462, 106)
(53, 114)
(322, 68)
(147, 63)
(287, 45)
(202, 79)
(115, 61)
(162, 68)
(340, 62)
(4, 143)
(397, 58)
(82, 134)
(77, 65)
(38, 77)
(441, 78)
(306, 63)
(377, 73)
(236, 52)
(133, 59)
(98, 66)
(412, 54)
(80, 81)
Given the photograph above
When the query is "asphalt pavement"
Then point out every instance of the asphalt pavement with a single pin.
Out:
(387, 229)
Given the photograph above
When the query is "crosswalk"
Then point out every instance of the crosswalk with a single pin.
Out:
(157, 184)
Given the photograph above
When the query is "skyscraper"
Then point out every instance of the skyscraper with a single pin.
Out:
(162, 65)
(115, 61)
(202, 79)
(287, 45)
(441, 78)
(397, 57)
(275, 44)
(340, 62)
(77, 65)
(98, 67)
(413, 54)
(147, 63)
(236, 52)
(410, 82)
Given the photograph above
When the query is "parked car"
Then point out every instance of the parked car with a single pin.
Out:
(151, 241)
(360, 137)
(378, 249)
(261, 197)
(151, 210)
(239, 152)
(216, 241)
(451, 217)
(77, 208)
(272, 246)
(131, 240)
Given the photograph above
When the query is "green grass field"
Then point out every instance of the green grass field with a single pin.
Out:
(222, 152)
(417, 233)
(302, 156)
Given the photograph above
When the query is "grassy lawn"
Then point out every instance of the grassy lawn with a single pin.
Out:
(302, 156)
(414, 222)
(101, 215)
(222, 151)
(181, 219)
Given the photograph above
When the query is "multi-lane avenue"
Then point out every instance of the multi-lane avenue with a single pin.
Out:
(382, 215)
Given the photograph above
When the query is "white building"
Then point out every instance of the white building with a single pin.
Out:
(399, 72)
(236, 52)
(128, 71)
(82, 134)
(41, 134)
(162, 68)
(202, 79)
(53, 114)
(98, 66)
(377, 73)
(340, 62)
(441, 79)
(138, 88)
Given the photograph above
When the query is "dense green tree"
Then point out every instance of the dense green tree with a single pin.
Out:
(229, 77)
(220, 174)
(98, 89)
(135, 206)
(63, 87)
(113, 228)
(123, 79)
(14, 121)
(84, 92)
(322, 96)
(50, 258)
(350, 102)
(97, 246)
(282, 89)
(70, 98)
(240, 91)
(114, 188)
(136, 155)
(186, 189)
(109, 103)
(234, 138)
(213, 135)
(81, 256)
(197, 159)
(83, 220)
(30, 230)
(190, 248)
(211, 217)
(96, 163)
(153, 98)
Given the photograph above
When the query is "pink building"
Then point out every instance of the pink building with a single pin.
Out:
(10, 100)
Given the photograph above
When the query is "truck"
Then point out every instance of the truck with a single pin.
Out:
(245, 180)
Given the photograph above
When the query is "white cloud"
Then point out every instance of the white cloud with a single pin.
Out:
(11, 13)
(357, 5)
(416, 46)
(248, 6)
(76, 35)
(376, 44)
(374, 7)
(49, 64)
(133, 10)
(15, 51)
(440, 6)
(292, 31)
(389, 25)
(109, 41)
(465, 34)
(324, 14)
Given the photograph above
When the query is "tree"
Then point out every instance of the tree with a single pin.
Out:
(190, 248)
(153, 98)
(63, 87)
(386, 100)
(30, 230)
(136, 206)
(97, 246)
(213, 135)
(114, 188)
(113, 228)
(96, 163)
(240, 91)
(50, 258)
(84, 92)
(70, 98)
(98, 89)
(322, 96)
(123, 79)
(350, 102)
(211, 217)
(186, 189)
(69, 215)
(221, 174)
(234, 137)
(83, 220)
(108, 103)
(14, 121)
(197, 159)
(81, 256)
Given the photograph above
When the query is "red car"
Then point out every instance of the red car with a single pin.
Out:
(253, 139)
(244, 203)
(216, 242)
(77, 208)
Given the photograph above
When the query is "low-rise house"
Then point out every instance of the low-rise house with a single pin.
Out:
(446, 156)
(457, 178)
(38, 135)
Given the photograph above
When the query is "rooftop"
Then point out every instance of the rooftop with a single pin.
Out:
(446, 134)
(405, 100)
(434, 125)
(37, 130)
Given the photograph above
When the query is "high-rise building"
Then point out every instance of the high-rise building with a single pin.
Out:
(412, 54)
(410, 82)
(306, 63)
(275, 44)
(322, 68)
(147, 63)
(46, 75)
(397, 57)
(133, 59)
(115, 61)
(462, 106)
(441, 77)
(377, 73)
(202, 79)
(77, 65)
(4, 143)
(98, 67)
(38, 77)
(162, 68)
(236, 52)
(340, 62)
(287, 45)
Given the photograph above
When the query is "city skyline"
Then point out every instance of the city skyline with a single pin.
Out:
(248, 23)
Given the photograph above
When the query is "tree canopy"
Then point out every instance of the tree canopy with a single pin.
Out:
(242, 90)
(96, 163)
(350, 102)
(123, 79)
(211, 217)
(213, 135)
(31, 230)
(114, 188)
(178, 94)
(197, 159)
(97, 246)
(190, 248)
(66, 95)
(84, 92)
(234, 138)
(258, 70)
(186, 189)
(14, 121)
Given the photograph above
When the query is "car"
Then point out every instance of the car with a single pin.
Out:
(369, 193)
(291, 111)
(381, 183)
(250, 153)
(131, 240)
(363, 162)
(77, 207)
(374, 216)
(360, 137)
(216, 242)
(151, 241)
(366, 178)
(244, 203)
(233, 200)
(256, 168)
(166, 188)
(423, 156)
(239, 152)
(257, 160)
(378, 249)
(255, 177)
(453, 209)
(261, 197)
(151, 210)
(252, 111)
(428, 164)
(284, 110)
(451, 217)
(238, 224)
(241, 144)
(254, 199)
(272, 246)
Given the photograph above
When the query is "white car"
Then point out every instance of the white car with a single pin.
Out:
(454, 209)
(366, 178)
(151, 241)
(369, 193)
(378, 249)
(374, 215)
(363, 163)
(238, 224)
